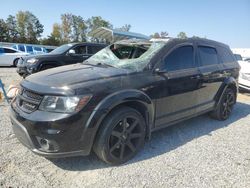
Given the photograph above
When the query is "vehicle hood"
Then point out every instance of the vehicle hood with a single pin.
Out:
(66, 77)
(245, 66)
(42, 56)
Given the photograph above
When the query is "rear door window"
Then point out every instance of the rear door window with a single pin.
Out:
(29, 49)
(94, 49)
(180, 58)
(38, 49)
(81, 50)
(21, 48)
(208, 55)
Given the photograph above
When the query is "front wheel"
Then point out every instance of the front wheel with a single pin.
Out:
(225, 106)
(121, 136)
(15, 62)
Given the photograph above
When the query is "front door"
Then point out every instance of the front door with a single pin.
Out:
(79, 56)
(179, 86)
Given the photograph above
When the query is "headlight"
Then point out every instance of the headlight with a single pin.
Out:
(62, 104)
(32, 60)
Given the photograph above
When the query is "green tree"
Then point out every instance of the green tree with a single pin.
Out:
(66, 27)
(4, 31)
(182, 35)
(12, 29)
(126, 27)
(162, 35)
(79, 29)
(95, 22)
(57, 32)
(29, 27)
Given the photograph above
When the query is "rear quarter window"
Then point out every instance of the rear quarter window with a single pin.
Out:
(208, 55)
(226, 55)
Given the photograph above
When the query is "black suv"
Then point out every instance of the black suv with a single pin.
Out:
(112, 102)
(64, 55)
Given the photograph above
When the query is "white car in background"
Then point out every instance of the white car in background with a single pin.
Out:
(244, 78)
(10, 56)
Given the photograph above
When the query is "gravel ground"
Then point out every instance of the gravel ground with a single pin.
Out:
(200, 152)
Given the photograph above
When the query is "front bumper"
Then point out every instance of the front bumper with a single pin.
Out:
(65, 136)
(22, 71)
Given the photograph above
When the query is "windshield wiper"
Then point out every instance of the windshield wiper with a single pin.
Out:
(105, 64)
(98, 64)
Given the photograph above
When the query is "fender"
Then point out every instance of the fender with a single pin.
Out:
(42, 63)
(112, 101)
(228, 82)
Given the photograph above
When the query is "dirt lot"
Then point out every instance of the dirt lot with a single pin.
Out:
(200, 152)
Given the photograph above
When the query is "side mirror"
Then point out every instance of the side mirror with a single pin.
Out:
(72, 52)
(159, 71)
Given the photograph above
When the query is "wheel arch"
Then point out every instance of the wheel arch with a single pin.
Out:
(132, 98)
(16, 59)
(45, 63)
(228, 83)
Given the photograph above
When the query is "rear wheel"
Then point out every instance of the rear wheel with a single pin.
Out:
(121, 136)
(225, 106)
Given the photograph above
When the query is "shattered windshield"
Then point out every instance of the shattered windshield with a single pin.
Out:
(134, 56)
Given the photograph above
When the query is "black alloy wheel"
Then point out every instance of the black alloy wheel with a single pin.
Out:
(227, 104)
(121, 136)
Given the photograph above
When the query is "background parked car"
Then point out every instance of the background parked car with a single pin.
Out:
(10, 56)
(63, 55)
(244, 78)
(30, 49)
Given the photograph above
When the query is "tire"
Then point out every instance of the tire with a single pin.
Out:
(225, 106)
(121, 136)
(15, 62)
(45, 67)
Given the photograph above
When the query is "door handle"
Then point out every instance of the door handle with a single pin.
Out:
(196, 77)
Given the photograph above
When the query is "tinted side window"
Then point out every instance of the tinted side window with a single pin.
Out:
(21, 48)
(94, 49)
(80, 50)
(1, 50)
(226, 56)
(6, 50)
(208, 55)
(37, 49)
(29, 49)
(180, 58)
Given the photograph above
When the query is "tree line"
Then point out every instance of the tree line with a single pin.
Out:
(25, 27)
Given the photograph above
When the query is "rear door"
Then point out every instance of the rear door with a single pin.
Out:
(212, 76)
(179, 86)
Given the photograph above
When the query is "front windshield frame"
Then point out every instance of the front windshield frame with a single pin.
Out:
(106, 56)
(62, 49)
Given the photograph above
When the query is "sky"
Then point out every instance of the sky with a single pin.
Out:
(227, 21)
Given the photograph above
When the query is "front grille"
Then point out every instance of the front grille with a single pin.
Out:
(28, 101)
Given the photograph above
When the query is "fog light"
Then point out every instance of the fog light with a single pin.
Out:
(44, 144)
(47, 145)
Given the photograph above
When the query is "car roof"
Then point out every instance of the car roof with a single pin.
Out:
(87, 43)
(9, 48)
